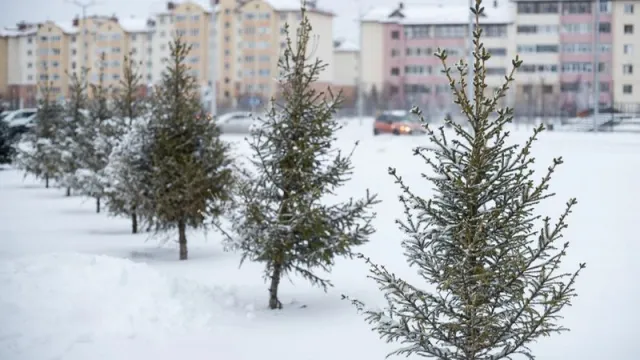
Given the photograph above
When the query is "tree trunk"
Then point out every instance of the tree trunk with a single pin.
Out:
(46, 181)
(68, 191)
(274, 302)
(134, 223)
(182, 239)
(98, 205)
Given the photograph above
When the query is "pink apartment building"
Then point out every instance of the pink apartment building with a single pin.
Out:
(408, 37)
(556, 39)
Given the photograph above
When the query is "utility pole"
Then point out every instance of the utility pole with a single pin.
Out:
(596, 66)
(85, 44)
(360, 83)
(213, 50)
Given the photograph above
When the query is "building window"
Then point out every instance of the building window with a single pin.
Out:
(194, 32)
(627, 89)
(497, 51)
(395, 34)
(628, 49)
(195, 18)
(577, 7)
(527, 29)
(628, 29)
(627, 69)
(628, 8)
(29, 52)
(395, 71)
(578, 28)
(605, 7)
(73, 65)
(29, 65)
(538, 8)
(30, 40)
(496, 71)
(605, 28)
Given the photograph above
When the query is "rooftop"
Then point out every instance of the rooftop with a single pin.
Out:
(343, 45)
(437, 12)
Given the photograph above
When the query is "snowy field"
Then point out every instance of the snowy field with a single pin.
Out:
(75, 285)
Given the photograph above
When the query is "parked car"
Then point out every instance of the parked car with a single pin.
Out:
(235, 123)
(19, 121)
(397, 122)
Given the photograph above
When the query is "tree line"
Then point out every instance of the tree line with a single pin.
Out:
(494, 276)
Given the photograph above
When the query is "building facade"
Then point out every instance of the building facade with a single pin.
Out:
(346, 56)
(404, 70)
(250, 39)
(626, 55)
(556, 40)
(21, 66)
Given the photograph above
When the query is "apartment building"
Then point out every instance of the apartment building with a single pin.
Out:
(21, 70)
(399, 43)
(556, 41)
(626, 55)
(250, 39)
(190, 21)
(4, 67)
(346, 55)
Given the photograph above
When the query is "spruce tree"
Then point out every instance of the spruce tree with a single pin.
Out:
(37, 153)
(192, 167)
(492, 278)
(282, 219)
(130, 173)
(125, 192)
(69, 137)
(96, 139)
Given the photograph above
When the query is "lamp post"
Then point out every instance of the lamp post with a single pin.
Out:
(213, 33)
(596, 66)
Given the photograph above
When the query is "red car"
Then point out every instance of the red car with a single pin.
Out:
(397, 122)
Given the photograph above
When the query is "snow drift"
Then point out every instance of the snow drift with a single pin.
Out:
(50, 302)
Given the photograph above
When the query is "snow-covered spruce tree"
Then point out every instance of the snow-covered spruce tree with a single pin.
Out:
(492, 283)
(96, 140)
(282, 219)
(192, 167)
(36, 152)
(129, 162)
(69, 137)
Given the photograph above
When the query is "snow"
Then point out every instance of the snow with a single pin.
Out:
(75, 285)
(439, 12)
(135, 25)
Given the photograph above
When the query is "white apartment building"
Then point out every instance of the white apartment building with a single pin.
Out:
(21, 69)
(626, 55)
(346, 56)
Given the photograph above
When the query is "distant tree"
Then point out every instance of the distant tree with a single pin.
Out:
(70, 136)
(37, 153)
(130, 172)
(492, 283)
(129, 163)
(96, 140)
(282, 221)
(6, 148)
(192, 167)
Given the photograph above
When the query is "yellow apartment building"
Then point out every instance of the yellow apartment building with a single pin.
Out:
(52, 52)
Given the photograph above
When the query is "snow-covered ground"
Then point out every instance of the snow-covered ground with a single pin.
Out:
(75, 285)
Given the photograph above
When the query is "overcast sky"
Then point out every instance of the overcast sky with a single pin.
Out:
(12, 11)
